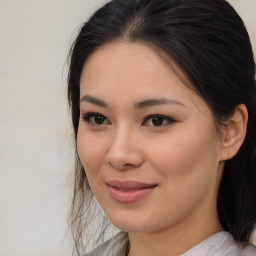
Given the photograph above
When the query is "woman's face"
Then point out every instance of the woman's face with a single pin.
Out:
(147, 142)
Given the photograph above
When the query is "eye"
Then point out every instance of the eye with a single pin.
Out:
(95, 119)
(158, 120)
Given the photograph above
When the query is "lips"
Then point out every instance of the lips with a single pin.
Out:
(129, 191)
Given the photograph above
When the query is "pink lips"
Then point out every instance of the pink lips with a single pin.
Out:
(129, 191)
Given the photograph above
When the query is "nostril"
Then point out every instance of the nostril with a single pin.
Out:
(121, 166)
(127, 165)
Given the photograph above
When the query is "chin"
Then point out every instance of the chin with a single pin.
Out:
(128, 223)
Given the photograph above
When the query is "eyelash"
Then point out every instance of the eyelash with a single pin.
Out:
(168, 120)
(87, 117)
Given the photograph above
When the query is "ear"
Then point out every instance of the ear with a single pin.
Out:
(234, 133)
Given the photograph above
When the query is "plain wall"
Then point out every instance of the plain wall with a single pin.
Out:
(36, 155)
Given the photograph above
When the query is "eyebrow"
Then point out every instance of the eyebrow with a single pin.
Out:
(95, 101)
(156, 101)
(138, 105)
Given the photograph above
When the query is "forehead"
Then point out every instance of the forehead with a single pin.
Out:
(123, 63)
(127, 71)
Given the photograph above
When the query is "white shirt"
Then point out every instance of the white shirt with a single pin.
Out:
(219, 244)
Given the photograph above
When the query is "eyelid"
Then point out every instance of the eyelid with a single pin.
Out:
(167, 118)
(86, 117)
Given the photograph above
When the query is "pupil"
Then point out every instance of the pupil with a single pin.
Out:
(99, 119)
(157, 121)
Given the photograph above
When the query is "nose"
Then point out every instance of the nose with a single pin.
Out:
(124, 151)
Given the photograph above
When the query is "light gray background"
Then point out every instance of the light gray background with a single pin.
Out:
(36, 153)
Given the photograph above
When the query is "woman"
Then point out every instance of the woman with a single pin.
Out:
(163, 102)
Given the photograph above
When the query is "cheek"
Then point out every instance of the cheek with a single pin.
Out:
(188, 167)
(185, 156)
(91, 154)
(90, 151)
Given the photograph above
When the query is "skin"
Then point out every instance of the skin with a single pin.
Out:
(184, 156)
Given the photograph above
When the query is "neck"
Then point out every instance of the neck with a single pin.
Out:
(173, 241)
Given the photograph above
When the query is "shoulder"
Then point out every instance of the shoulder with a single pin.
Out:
(116, 246)
(228, 246)
(231, 247)
(221, 244)
(249, 250)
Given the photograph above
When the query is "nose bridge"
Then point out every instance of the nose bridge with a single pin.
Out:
(124, 148)
(120, 136)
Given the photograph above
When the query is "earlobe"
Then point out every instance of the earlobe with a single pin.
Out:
(234, 133)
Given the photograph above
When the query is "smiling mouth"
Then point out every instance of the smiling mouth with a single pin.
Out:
(129, 191)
